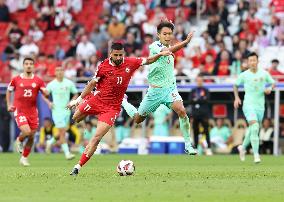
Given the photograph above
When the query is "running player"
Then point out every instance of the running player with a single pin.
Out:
(26, 87)
(60, 89)
(163, 89)
(111, 81)
(254, 81)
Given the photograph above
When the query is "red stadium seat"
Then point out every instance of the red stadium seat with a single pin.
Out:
(219, 111)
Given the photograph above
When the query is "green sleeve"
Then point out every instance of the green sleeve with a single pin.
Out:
(49, 87)
(73, 88)
(240, 80)
(269, 78)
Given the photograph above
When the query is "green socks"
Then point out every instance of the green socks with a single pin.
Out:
(185, 129)
(247, 138)
(254, 139)
(65, 149)
(129, 108)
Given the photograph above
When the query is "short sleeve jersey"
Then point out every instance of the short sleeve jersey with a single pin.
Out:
(113, 80)
(61, 92)
(161, 72)
(254, 86)
(26, 91)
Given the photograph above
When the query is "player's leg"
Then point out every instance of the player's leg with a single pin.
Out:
(178, 107)
(195, 126)
(27, 149)
(25, 132)
(102, 129)
(79, 116)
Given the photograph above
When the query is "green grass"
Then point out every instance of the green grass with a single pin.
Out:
(157, 178)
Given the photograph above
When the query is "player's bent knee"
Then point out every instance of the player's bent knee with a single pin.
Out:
(181, 113)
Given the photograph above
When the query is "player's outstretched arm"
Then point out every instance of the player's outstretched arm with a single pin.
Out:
(47, 101)
(10, 107)
(237, 101)
(154, 58)
(88, 88)
(180, 45)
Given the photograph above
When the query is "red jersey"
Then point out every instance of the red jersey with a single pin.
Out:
(113, 80)
(26, 91)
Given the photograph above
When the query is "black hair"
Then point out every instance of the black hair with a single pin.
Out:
(117, 46)
(252, 54)
(28, 58)
(163, 24)
(275, 61)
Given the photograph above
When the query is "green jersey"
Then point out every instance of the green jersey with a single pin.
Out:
(60, 92)
(161, 72)
(254, 86)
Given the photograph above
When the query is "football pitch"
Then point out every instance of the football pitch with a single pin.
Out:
(157, 178)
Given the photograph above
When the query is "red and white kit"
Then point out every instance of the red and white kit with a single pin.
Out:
(25, 99)
(112, 82)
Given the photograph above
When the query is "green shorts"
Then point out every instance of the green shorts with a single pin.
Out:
(157, 96)
(61, 119)
(252, 114)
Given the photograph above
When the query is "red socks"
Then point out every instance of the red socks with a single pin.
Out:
(27, 151)
(83, 159)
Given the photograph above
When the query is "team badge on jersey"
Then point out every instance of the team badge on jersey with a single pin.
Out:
(33, 85)
(127, 70)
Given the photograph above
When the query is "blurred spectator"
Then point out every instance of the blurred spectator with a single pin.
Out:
(198, 99)
(14, 32)
(243, 48)
(182, 78)
(266, 137)
(162, 116)
(277, 8)
(41, 65)
(59, 52)
(213, 26)
(47, 131)
(12, 5)
(50, 66)
(11, 49)
(35, 33)
(235, 68)
(71, 52)
(219, 136)
(50, 19)
(71, 66)
(196, 57)
(262, 40)
(85, 49)
(180, 33)
(138, 16)
(134, 29)
(131, 46)
(140, 76)
(62, 18)
(93, 63)
(122, 126)
(238, 133)
(273, 70)
(222, 67)
(4, 12)
(99, 37)
(28, 48)
(223, 13)
(16, 65)
(75, 5)
(116, 29)
(254, 24)
(148, 39)
(209, 64)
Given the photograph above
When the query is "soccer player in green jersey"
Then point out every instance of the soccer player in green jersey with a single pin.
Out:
(255, 82)
(162, 81)
(60, 89)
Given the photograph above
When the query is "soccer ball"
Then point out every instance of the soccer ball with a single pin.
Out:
(125, 167)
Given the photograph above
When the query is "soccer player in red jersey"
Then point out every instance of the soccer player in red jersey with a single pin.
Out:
(26, 87)
(111, 81)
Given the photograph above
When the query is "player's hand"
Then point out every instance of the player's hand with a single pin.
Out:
(11, 108)
(237, 103)
(189, 36)
(166, 53)
(267, 91)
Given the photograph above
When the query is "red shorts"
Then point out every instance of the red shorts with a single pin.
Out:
(30, 119)
(92, 106)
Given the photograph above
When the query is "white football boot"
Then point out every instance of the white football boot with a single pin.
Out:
(24, 161)
(242, 153)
